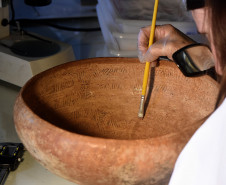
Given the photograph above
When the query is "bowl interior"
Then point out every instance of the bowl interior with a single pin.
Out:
(100, 97)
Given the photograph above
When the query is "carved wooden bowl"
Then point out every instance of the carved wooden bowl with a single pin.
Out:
(80, 120)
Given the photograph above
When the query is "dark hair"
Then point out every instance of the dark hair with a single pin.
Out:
(217, 16)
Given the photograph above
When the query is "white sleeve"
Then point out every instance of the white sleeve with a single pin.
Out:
(203, 160)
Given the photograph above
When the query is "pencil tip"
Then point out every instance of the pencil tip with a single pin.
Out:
(140, 115)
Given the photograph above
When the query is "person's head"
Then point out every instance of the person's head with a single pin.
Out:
(210, 18)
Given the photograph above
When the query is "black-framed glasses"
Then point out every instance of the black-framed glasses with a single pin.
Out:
(194, 4)
(194, 59)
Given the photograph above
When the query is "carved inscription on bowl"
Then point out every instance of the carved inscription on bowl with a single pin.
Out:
(101, 99)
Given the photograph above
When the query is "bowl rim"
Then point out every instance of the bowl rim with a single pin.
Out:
(21, 101)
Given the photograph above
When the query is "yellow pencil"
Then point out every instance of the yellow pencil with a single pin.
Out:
(147, 65)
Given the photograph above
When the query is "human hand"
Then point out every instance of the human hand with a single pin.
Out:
(167, 40)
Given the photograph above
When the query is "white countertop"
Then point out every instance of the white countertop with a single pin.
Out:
(29, 172)
(8, 94)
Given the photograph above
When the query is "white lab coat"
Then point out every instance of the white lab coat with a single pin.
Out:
(203, 160)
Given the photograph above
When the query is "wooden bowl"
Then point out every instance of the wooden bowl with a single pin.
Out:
(79, 120)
